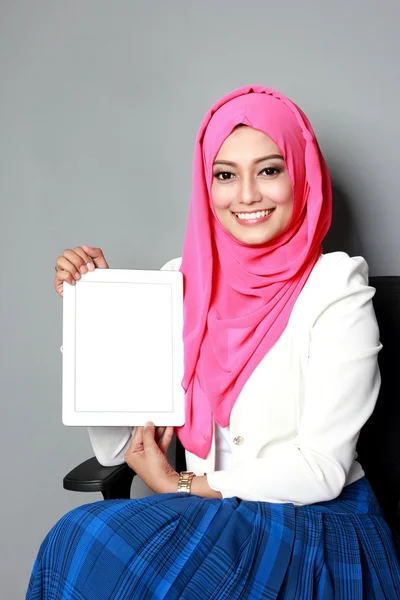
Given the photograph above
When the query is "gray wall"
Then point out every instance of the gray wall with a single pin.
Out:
(100, 105)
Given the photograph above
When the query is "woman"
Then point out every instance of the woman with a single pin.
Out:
(281, 373)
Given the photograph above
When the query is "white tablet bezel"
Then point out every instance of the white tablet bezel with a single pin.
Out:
(72, 417)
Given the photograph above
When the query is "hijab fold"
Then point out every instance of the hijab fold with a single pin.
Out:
(238, 297)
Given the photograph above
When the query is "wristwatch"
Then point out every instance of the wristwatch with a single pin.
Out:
(185, 481)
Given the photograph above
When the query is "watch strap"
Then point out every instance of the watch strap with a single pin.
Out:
(185, 481)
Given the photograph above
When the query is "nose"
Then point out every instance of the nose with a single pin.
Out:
(249, 192)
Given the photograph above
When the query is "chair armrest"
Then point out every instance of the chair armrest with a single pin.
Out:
(91, 476)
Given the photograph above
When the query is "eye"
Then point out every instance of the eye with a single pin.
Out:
(223, 175)
(270, 171)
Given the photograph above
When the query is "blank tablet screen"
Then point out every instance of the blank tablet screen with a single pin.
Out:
(122, 348)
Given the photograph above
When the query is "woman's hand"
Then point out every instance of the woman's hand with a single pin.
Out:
(146, 456)
(72, 263)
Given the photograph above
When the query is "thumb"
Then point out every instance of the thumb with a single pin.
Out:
(149, 443)
(96, 254)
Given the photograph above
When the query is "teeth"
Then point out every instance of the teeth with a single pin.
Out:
(255, 215)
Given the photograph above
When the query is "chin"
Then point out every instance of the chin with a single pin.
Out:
(256, 242)
(254, 239)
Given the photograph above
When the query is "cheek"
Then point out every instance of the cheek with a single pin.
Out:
(221, 196)
(281, 192)
(286, 209)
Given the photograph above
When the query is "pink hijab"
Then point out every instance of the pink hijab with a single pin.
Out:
(238, 298)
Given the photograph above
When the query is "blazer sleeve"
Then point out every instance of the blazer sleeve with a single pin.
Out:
(111, 443)
(341, 388)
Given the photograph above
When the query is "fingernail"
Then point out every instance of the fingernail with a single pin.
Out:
(77, 275)
(90, 266)
(149, 424)
(83, 269)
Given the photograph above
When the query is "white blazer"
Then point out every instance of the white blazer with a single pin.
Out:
(295, 425)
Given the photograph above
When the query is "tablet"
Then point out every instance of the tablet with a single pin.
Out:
(123, 348)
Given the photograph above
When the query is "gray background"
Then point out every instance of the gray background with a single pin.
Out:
(100, 105)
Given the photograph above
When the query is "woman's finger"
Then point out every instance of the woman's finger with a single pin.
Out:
(159, 434)
(96, 254)
(166, 439)
(63, 264)
(86, 258)
(59, 279)
(76, 261)
(148, 436)
(137, 440)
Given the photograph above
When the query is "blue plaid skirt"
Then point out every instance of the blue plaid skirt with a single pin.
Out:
(185, 546)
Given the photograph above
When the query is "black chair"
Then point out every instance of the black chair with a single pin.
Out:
(378, 446)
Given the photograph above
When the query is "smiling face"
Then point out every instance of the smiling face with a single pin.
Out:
(251, 188)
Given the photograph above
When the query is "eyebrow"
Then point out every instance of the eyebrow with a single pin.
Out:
(258, 160)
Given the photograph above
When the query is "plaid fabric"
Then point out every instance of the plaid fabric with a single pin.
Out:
(184, 546)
